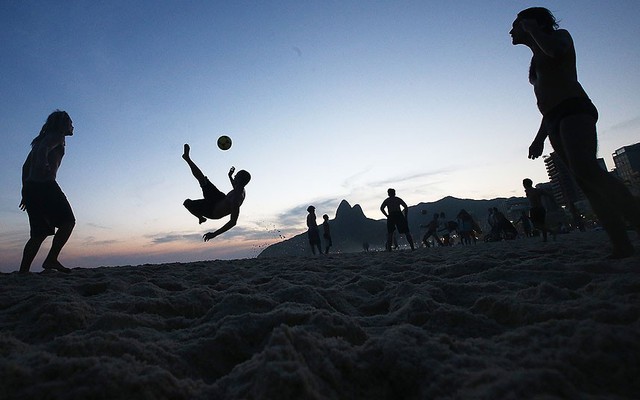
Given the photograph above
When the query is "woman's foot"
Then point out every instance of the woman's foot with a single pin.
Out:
(55, 265)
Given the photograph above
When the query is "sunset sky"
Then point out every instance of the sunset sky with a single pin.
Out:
(324, 101)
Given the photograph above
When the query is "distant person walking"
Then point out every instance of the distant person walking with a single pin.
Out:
(216, 204)
(432, 230)
(313, 232)
(396, 217)
(465, 226)
(326, 234)
(42, 198)
(569, 120)
(537, 212)
(526, 224)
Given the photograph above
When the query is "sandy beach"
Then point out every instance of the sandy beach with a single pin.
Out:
(507, 320)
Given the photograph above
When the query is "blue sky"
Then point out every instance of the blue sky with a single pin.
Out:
(324, 100)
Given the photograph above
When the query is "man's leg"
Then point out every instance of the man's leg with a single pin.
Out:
(410, 240)
(59, 240)
(610, 199)
(197, 173)
(30, 252)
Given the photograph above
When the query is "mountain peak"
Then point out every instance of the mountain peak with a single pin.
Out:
(345, 211)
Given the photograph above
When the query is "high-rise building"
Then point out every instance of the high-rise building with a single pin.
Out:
(564, 187)
(566, 191)
(627, 160)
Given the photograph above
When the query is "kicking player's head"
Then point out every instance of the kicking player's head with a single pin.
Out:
(243, 177)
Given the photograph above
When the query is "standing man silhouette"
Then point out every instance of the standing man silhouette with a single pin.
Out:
(396, 217)
(42, 198)
(569, 120)
(537, 212)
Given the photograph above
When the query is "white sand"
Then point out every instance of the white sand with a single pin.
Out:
(507, 320)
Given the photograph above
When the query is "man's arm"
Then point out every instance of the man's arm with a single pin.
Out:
(405, 209)
(231, 171)
(382, 207)
(553, 44)
(232, 222)
(26, 170)
(537, 146)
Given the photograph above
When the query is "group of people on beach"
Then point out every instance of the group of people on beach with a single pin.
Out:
(568, 121)
(313, 232)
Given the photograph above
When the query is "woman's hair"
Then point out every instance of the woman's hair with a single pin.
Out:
(57, 122)
(544, 17)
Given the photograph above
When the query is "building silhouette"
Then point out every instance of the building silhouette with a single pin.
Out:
(627, 161)
(564, 188)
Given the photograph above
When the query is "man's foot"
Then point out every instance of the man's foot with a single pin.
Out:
(201, 220)
(47, 265)
(185, 155)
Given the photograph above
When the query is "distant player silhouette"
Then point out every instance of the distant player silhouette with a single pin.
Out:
(313, 232)
(396, 218)
(569, 120)
(42, 198)
(537, 212)
(216, 204)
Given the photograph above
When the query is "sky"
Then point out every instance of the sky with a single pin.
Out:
(324, 101)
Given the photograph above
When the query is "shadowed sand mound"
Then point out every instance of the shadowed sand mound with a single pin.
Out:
(498, 320)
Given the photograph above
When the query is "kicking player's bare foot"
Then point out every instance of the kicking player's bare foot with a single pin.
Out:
(54, 265)
(185, 155)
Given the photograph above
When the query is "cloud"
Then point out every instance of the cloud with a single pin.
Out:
(91, 241)
(296, 216)
(398, 180)
(174, 237)
(94, 225)
(632, 123)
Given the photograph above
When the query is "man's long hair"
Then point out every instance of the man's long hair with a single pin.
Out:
(545, 19)
(57, 122)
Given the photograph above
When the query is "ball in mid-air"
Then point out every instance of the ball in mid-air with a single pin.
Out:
(224, 142)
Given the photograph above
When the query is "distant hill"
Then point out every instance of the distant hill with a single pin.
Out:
(351, 228)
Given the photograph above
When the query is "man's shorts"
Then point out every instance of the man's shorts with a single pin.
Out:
(397, 220)
(47, 207)
(203, 207)
(537, 216)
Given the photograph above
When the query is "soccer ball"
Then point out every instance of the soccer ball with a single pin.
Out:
(224, 142)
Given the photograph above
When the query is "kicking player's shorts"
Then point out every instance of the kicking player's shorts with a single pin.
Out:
(47, 207)
(203, 207)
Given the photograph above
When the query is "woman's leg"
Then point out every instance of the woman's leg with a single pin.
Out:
(610, 199)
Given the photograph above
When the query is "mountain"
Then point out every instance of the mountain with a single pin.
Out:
(351, 228)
